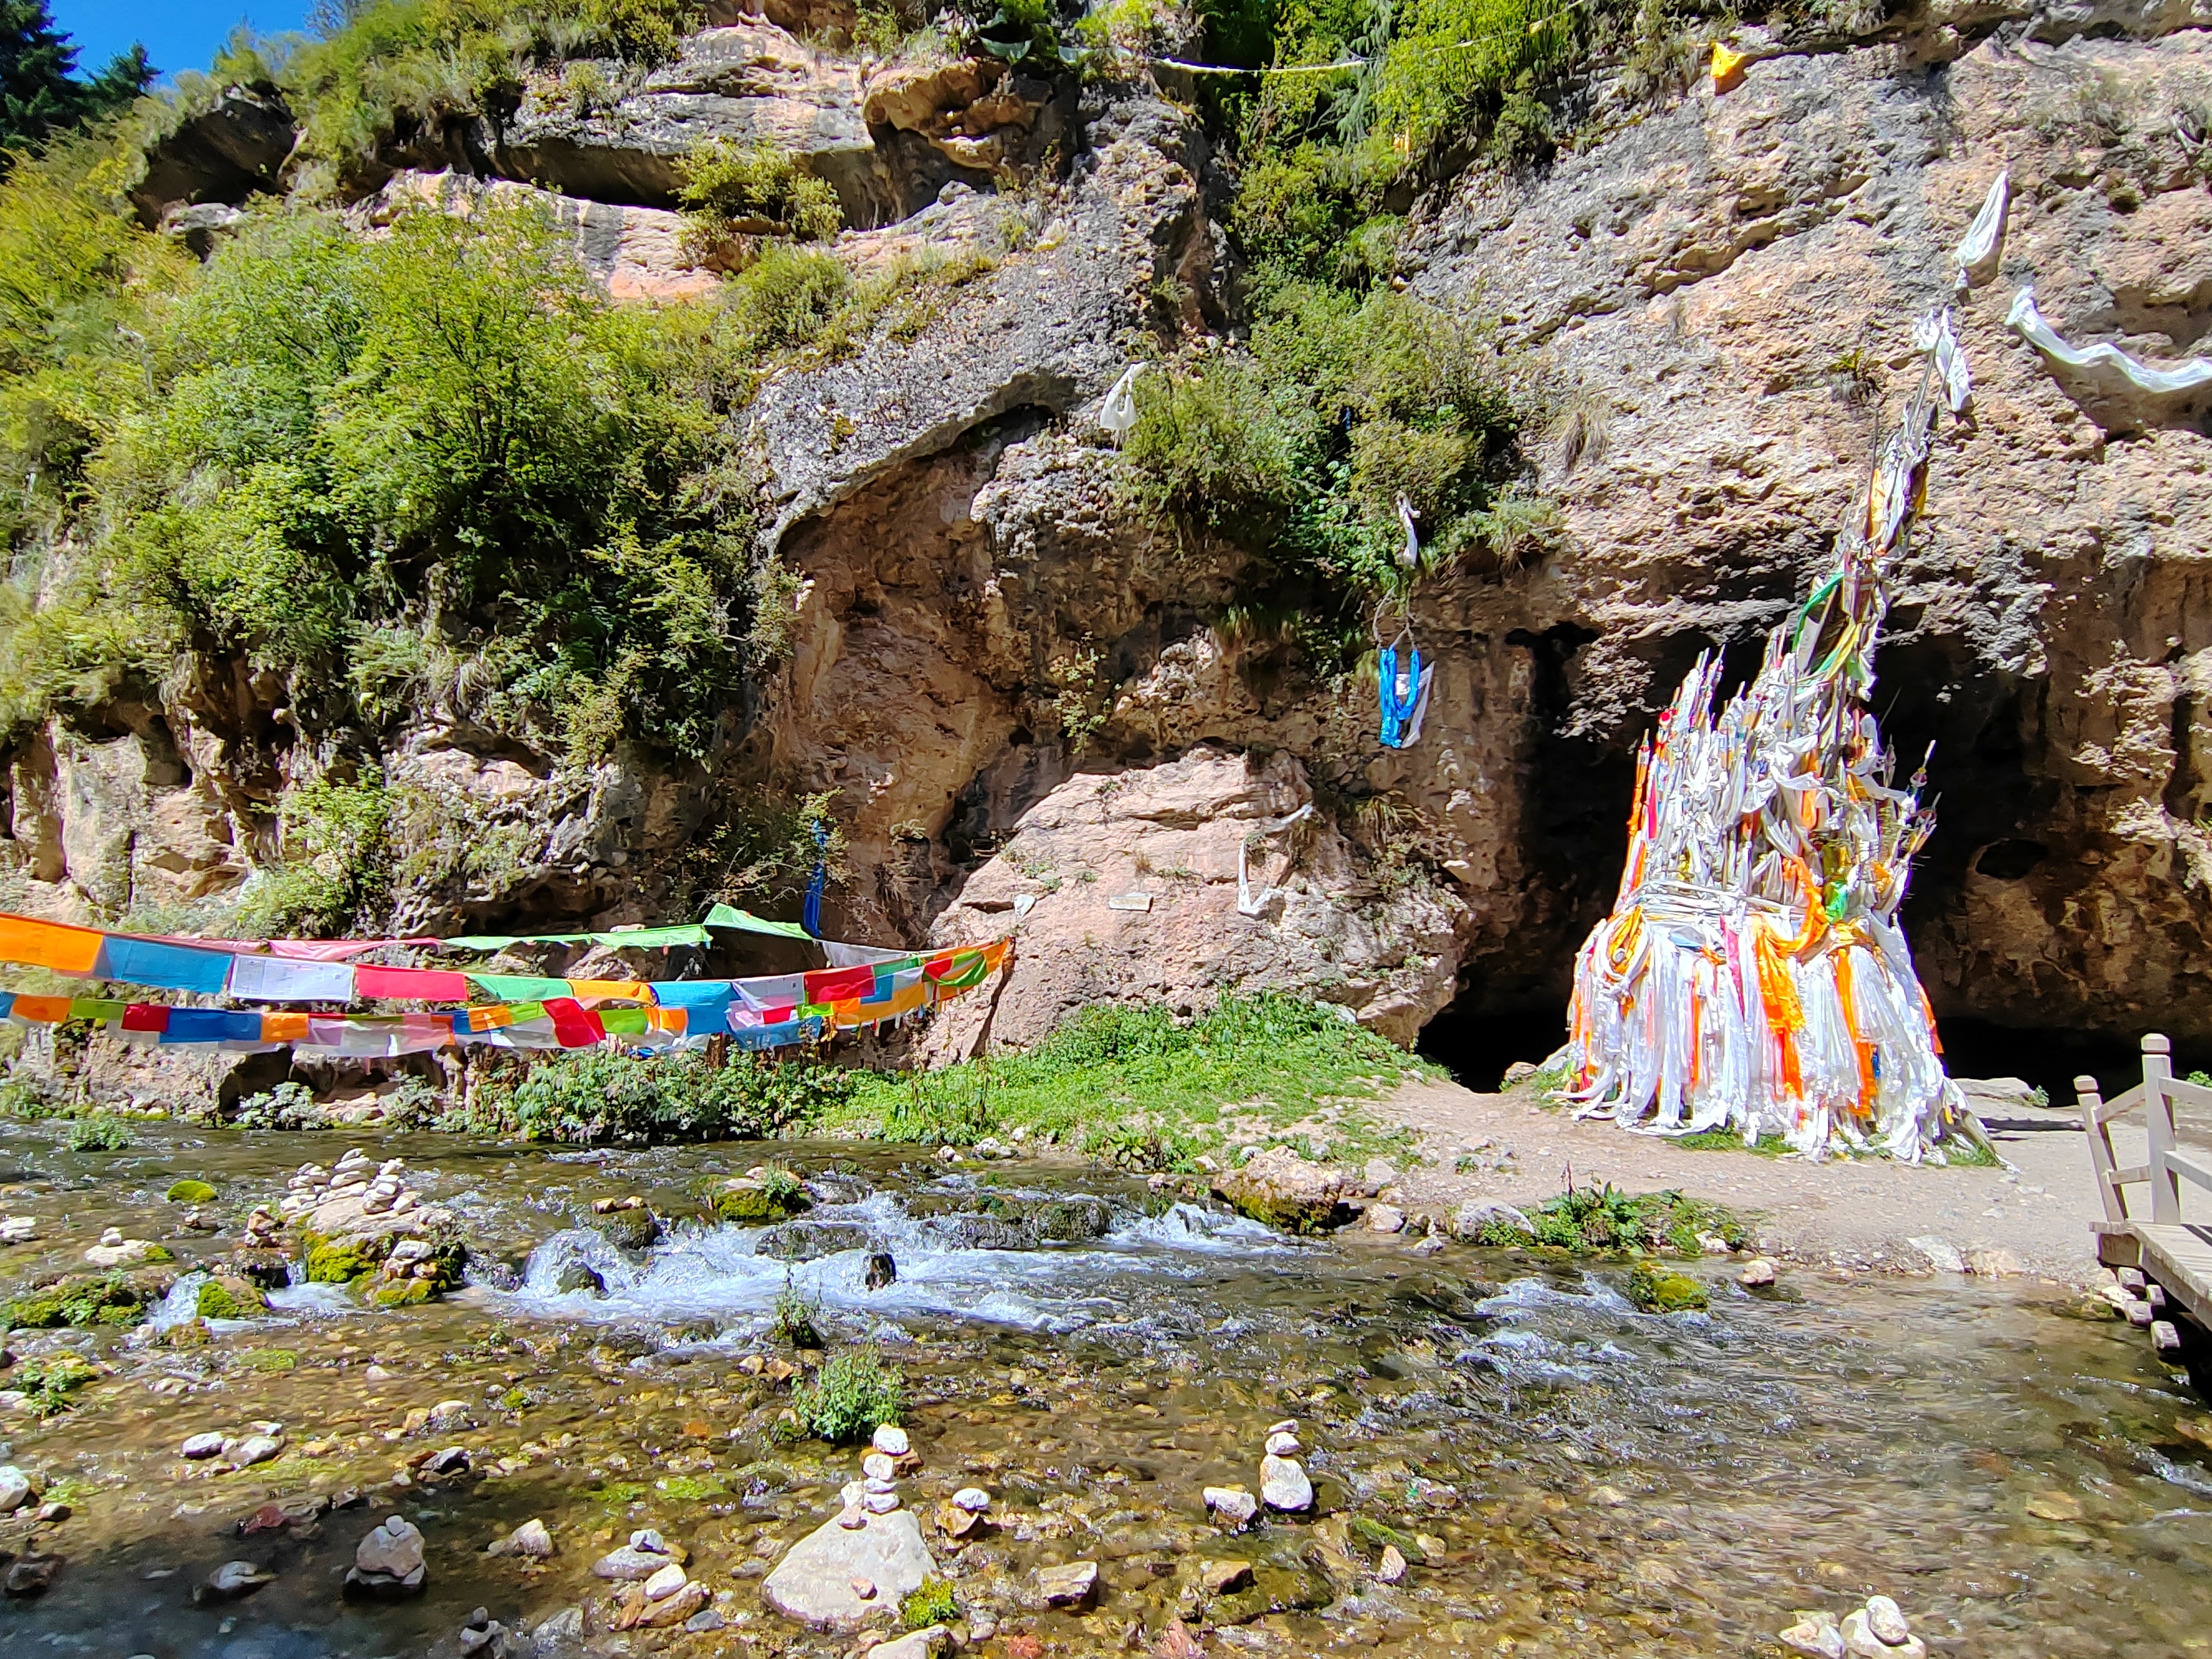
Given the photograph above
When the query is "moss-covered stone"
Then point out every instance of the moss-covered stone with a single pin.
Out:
(82, 1299)
(341, 1261)
(230, 1299)
(401, 1292)
(1657, 1289)
(633, 1229)
(745, 1201)
(191, 1191)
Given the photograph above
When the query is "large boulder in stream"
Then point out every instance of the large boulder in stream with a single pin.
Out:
(819, 1580)
(1279, 1188)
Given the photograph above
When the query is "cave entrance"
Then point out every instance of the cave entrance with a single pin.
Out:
(1476, 1044)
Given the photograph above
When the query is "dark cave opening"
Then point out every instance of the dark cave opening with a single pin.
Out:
(1477, 1047)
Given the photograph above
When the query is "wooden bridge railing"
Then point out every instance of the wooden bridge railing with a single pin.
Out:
(2165, 1167)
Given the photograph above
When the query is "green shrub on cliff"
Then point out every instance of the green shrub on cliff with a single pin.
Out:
(732, 189)
(392, 68)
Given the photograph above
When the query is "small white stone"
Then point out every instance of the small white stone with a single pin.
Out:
(199, 1446)
(1886, 1620)
(1284, 1485)
(1392, 1567)
(890, 1440)
(974, 1499)
(1232, 1504)
(1288, 1425)
(665, 1582)
(1283, 1443)
(878, 1465)
(880, 1503)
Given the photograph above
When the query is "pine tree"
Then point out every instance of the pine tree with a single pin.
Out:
(39, 93)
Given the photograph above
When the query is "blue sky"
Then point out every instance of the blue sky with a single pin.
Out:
(180, 34)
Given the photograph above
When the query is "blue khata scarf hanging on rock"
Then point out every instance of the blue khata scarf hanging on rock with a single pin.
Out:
(811, 918)
(1402, 697)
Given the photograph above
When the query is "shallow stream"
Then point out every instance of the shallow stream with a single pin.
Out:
(1583, 1479)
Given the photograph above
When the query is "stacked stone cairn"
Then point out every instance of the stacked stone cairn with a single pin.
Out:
(1876, 1630)
(1284, 1485)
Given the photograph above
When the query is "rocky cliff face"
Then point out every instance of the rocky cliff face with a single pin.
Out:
(1024, 698)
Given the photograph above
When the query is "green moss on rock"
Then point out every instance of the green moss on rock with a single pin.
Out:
(82, 1299)
(230, 1299)
(1657, 1289)
(342, 1262)
(401, 1292)
(191, 1191)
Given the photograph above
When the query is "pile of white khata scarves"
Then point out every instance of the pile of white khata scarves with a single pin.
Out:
(1753, 976)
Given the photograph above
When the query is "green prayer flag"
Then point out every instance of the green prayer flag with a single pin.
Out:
(728, 915)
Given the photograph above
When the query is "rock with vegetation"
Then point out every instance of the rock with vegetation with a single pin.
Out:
(820, 1578)
(1656, 1288)
(767, 1194)
(190, 1191)
(1605, 1221)
(1279, 1188)
(88, 1299)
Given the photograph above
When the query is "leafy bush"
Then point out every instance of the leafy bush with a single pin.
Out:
(287, 1106)
(338, 864)
(854, 1394)
(795, 1319)
(592, 1096)
(1301, 447)
(100, 1131)
(757, 190)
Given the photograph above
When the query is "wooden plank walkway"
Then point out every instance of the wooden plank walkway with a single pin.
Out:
(2162, 1258)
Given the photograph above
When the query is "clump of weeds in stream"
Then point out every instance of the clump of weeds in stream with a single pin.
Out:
(854, 1393)
(1604, 1220)
(98, 1133)
(46, 1384)
(795, 1318)
(933, 1604)
(1269, 1057)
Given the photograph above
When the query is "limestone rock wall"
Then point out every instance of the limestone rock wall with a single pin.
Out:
(1019, 694)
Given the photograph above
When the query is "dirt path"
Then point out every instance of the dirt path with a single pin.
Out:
(2033, 1218)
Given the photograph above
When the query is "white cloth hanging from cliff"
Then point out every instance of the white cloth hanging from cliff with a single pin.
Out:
(1934, 335)
(1410, 554)
(1977, 250)
(1248, 902)
(2102, 360)
(1118, 414)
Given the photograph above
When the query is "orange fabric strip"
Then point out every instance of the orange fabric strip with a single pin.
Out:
(52, 945)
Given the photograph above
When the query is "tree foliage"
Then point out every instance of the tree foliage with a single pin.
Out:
(40, 92)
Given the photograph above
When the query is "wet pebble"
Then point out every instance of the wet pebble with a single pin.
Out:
(1386, 1219)
(1391, 1568)
(1231, 1504)
(16, 1489)
(1757, 1273)
(199, 1446)
(974, 1499)
(249, 1449)
(531, 1541)
(1068, 1586)
(230, 1581)
(1222, 1576)
(1282, 1443)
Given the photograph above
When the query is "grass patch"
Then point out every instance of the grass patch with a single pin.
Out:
(1730, 1140)
(854, 1394)
(1136, 1087)
(1603, 1221)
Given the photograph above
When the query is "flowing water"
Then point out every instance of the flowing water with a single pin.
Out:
(1584, 1479)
